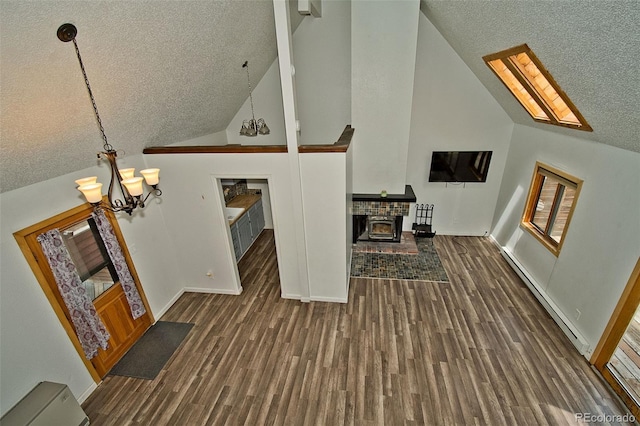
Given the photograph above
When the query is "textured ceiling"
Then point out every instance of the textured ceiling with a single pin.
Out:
(591, 48)
(168, 71)
(161, 72)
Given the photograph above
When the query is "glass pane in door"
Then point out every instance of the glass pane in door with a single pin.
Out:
(90, 257)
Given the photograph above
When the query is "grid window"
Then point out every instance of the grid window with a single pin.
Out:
(550, 204)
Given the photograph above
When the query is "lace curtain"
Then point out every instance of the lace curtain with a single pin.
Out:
(89, 328)
(119, 262)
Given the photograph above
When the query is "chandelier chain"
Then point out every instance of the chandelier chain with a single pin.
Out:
(107, 146)
(246, 65)
(131, 186)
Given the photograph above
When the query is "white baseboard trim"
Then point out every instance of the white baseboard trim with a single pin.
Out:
(166, 307)
(330, 299)
(495, 242)
(558, 316)
(290, 296)
(213, 290)
(82, 398)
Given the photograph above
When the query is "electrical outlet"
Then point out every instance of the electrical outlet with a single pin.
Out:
(578, 313)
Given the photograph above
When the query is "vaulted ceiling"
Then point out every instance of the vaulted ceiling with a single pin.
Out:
(161, 72)
(591, 48)
(168, 71)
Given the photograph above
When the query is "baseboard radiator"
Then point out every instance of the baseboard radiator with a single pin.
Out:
(46, 405)
(558, 316)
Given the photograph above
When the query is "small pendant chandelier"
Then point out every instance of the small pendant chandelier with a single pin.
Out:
(129, 185)
(252, 127)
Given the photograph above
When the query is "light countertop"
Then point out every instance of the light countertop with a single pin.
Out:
(244, 201)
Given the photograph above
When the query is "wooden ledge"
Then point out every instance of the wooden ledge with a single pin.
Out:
(341, 145)
(216, 149)
(408, 197)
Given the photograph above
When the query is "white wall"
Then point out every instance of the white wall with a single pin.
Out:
(452, 110)
(322, 58)
(383, 54)
(34, 347)
(193, 211)
(324, 196)
(602, 243)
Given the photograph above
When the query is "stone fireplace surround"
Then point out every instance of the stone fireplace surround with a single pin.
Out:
(393, 205)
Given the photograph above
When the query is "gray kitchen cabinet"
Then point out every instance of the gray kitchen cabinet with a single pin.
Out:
(236, 241)
(256, 216)
(244, 232)
(247, 228)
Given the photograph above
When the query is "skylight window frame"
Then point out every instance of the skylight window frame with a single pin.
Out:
(530, 87)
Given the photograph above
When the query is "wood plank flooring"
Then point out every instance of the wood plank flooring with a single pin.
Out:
(477, 350)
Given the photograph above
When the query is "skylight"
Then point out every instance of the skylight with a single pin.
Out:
(532, 85)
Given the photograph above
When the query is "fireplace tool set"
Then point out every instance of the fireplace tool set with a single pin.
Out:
(422, 225)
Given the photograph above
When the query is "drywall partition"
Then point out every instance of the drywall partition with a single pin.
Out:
(601, 246)
(383, 54)
(452, 111)
(324, 189)
(281, 10)
(322, 57)
(33, 344)
(194, 217)
(349, 216)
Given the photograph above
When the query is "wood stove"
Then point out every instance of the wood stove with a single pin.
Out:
(378, 217)
(377, 228)
(381, 228)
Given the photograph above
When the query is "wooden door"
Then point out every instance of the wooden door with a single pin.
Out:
(111, 305)
(113, 309)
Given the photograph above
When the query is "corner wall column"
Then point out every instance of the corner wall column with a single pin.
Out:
(285, 61)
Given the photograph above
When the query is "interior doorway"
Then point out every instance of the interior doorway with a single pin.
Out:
(248, 209)
(617, 355)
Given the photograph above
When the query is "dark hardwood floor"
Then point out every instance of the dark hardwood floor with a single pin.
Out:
(477, 350)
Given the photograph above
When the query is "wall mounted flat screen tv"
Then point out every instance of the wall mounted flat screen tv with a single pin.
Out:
(459, 166)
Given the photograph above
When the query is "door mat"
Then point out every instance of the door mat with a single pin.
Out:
(150, 353)
(425, 266)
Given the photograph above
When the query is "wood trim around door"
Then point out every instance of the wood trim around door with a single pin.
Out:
(619, 321)
(27, 241)
(613, 332)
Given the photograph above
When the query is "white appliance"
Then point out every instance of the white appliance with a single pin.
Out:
(48, 404)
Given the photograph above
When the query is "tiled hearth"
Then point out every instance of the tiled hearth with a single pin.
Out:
(424, 266)
(407, 245)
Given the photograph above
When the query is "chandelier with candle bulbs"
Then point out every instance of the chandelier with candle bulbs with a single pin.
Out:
(252, 127)
(130, 186)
